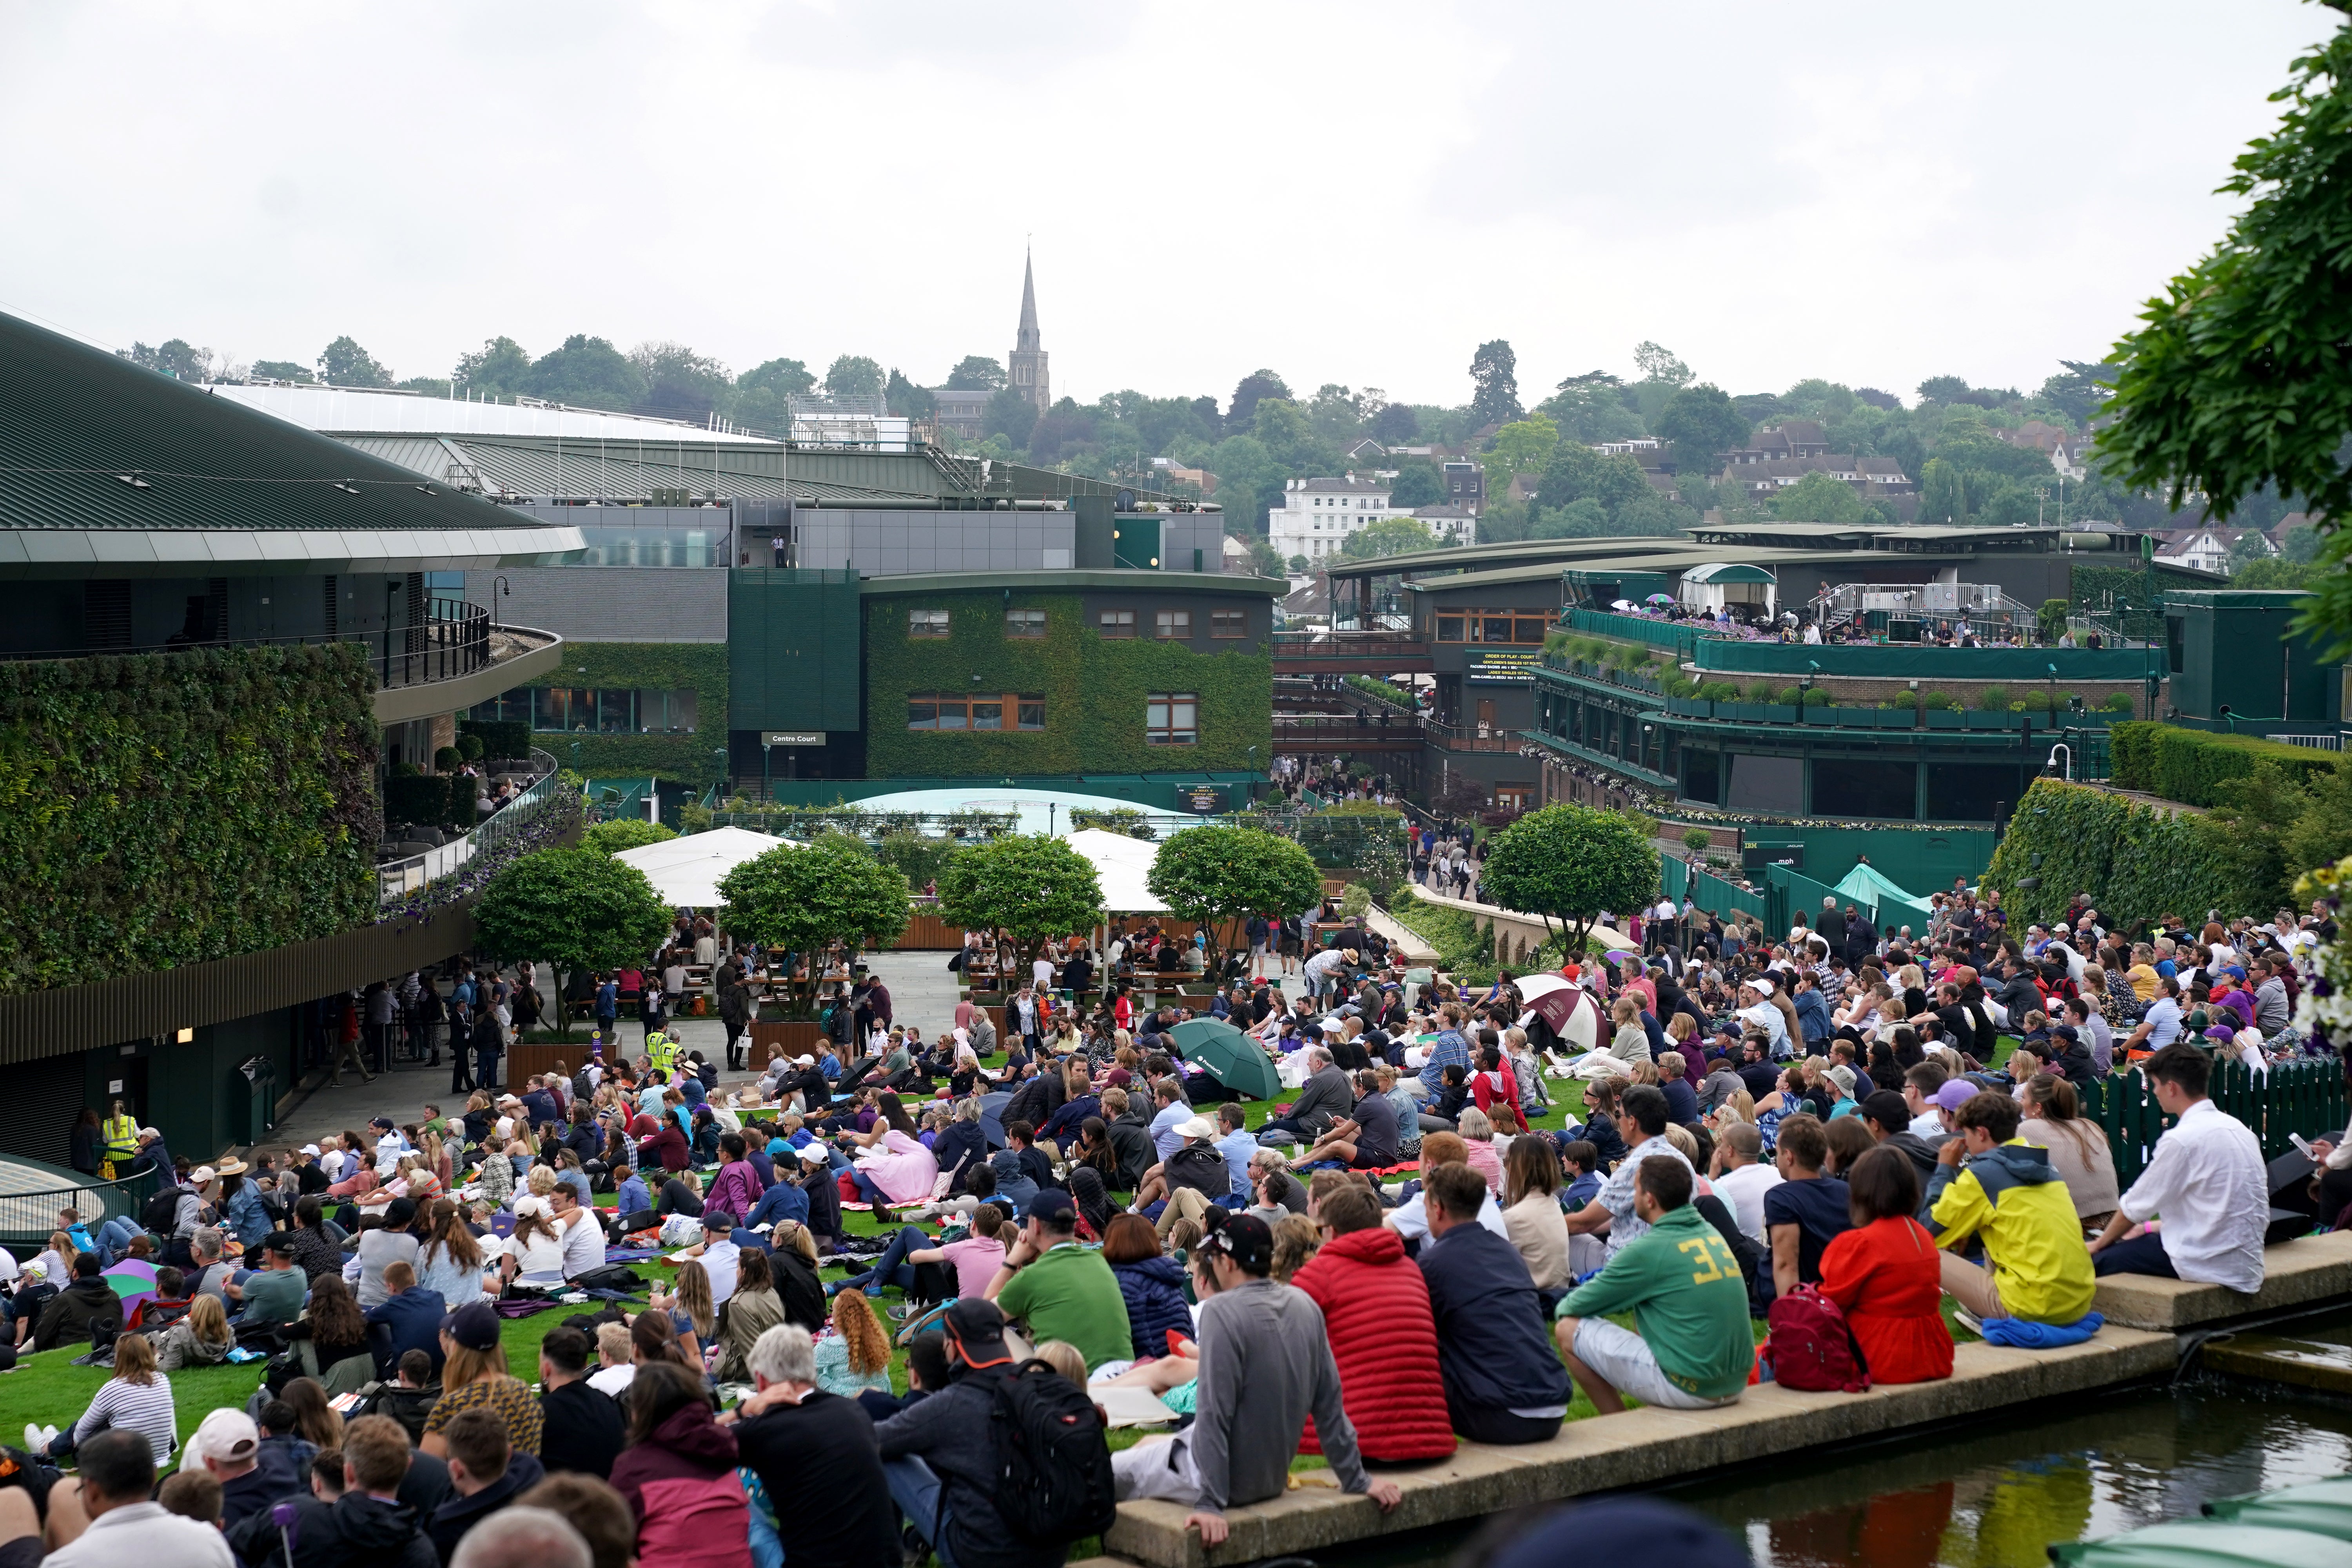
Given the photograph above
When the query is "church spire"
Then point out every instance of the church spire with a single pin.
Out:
(1026, 363)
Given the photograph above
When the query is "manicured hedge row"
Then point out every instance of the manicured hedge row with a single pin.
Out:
(173, 808)
(2137, 862)
(2190, 765)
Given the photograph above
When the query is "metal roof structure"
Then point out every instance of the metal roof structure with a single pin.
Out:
(1115, 580)
(1678, 555)
(339, 408)
(106, 469)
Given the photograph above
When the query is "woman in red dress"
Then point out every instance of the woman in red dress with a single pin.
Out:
(1884, 1274)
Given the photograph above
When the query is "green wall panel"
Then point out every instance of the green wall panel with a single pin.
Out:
(791, 649)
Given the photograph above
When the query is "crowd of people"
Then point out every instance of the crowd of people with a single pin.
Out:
(1817, 1129)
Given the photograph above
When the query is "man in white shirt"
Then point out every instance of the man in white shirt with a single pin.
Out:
(1741, 1178)
(2207, 1184)
(583, 1238)
(718, 1257)
(1642, 1122)
(2159, 1025)
(1756, 1008)
(107, 1521)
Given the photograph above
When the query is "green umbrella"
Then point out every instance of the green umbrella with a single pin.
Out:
(1227, 1055)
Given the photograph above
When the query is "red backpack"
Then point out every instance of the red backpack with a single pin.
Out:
(1811, 1348)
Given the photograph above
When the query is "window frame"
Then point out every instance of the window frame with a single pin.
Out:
(922, 627)
(1025, 629)
(1219, 620)
(1115, 626)
(1171, 625)
(966, 709)
(1166, 729)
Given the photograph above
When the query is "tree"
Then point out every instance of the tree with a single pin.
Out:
(1943, 498)
(804, 897)
(1418, 484)
(1283, 428)
(1032, 887)
(1062, 430)
(1571, 864)
(1389, 536)
(784, 377)
(1217, 876)
(679, 382)
(1582, 518)
(1703, 424)
(1252, 388)
(344, 364)
(626, 832)
(1495, 372)
(1523, 446)
(589, 373)
(854, 375)
(975, 373)
(572, 908)
(2301, 544)
(501, 368)
(1660, 364)
(1012, 414)
(905, 399)
(177, 359)
(2080, 391)
(1817, 498)
(1249, 481)
(918, 857)
(2236, 379)
(1394, 424)
(283, 370)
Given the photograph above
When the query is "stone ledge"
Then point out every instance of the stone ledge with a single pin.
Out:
(2296, 1273)
(1639, 1447)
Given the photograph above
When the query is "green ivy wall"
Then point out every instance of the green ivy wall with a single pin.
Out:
(171, 809)
(675, 667)
(1095, 692)
(2137, 861)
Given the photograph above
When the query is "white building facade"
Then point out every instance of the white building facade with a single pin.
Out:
(1317, 516)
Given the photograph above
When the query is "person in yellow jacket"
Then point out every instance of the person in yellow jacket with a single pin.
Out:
(661, 1051)
(122, 1141)
(1991, 1184)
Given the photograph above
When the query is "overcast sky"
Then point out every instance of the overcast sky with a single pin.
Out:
(1357, 192)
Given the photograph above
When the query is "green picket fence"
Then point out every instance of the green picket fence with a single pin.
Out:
(2305, 1097)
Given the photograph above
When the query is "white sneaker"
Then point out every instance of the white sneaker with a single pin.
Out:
(32, 1437)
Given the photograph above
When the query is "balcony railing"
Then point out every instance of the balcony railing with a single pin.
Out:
(1366, 646)
(397, 879)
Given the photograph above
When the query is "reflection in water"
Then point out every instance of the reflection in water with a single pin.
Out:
(2000, 1492)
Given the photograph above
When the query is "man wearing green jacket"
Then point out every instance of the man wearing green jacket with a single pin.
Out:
(1680, 1282)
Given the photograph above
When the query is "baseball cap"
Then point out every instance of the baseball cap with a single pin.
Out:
(974, 1330)
(1243, 1237)
(1956, 1093)
(226, 1434)
(200, 1175)
(1196, 1127)
(719, 1219)
(475, 1326)
(1052, 1204)
(311, 1150)
(1886, 1107)
(2067, 1032)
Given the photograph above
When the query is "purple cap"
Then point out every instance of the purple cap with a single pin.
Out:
(1956, 1092)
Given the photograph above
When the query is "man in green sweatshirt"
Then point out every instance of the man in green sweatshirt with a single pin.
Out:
(1680, 1282)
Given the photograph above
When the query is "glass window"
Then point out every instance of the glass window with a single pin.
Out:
(1228, 623)
(617, 711)
(922, 712)
(1768, 784)
(988, 713)
(1171, 718)
(1024, 623)
(1170, 624)
(1495, 628)
(1119, 623)
(1529, 628)
(926, 623)
(1449, 629)
(951, 712)
(1850, 787)
(1032, 708)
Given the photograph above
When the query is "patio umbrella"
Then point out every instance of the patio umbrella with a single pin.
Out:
(1622, 604)
(134, 1281)
(1659, 599)
(1227, 1055)
(991, 1118)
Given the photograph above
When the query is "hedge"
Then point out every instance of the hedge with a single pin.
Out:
(169, 809)
(2190, 765)
(667, 667)
(2137, 861)
(1095, 693)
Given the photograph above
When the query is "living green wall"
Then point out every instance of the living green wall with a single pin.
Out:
(673, 666)
(171, 809)
(2137, 862)
(2192, 765)
(1095, 693)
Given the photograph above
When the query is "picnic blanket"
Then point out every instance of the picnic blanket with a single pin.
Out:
(2024, 1334)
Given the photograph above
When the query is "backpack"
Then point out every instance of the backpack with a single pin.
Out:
(1053, 1461)
(583, 1092)
(1809, 1346)
(159, 1211)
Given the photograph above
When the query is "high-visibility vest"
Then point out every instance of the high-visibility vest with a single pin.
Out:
(122, 1138)
(660, 1049)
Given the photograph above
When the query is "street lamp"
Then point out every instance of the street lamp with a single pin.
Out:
(766, 745)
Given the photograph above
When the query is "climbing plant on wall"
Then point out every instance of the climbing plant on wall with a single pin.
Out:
(700, 667)
(171, 809)
(2136, 862)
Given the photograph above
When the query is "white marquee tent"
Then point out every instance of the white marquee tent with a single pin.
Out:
(685, 871)
(1121, 865)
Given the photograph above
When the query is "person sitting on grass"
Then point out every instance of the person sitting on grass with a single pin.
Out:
(1363, 1139)
(1691, 1347)
(137, 1398)
(1063, 1291)
(2007, 1194)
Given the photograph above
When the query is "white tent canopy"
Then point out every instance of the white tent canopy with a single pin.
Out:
(685, 871)
(1121, 865)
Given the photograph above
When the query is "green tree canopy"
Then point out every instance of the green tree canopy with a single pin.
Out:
(905, 399)
(1942, 496)
(1032, 886)
(802, 898)
(572, 910)
(1495, 373)
(590, 373)
(854, 375)
(1660, 364)
(499, 370)
(2236, 379)
(1219, 874)
(344, 364)
(1817, 498)
(782, 376)
(975, 373)
(283, 370)
(1569, 864)
(1702, 424)
(1012, 414)
(679, 382)
(1418, 483)
(1389, 536)
(1258, 385)
(1522, 447)
(626, 832)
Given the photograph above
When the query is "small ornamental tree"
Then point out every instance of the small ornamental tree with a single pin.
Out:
(574, 910)
(626, 832)
(802, 898)
(1216, 875)
(1568, 863)
(1032, 887)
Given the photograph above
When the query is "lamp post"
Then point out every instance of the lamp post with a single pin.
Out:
(720, 753)
(765, 747)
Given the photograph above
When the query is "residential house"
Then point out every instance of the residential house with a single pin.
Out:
(1790, 440)
(1317, 515)
(1466, 485)
(1451, 522)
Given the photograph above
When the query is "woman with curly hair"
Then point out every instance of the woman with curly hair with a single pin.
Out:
(855, 1355)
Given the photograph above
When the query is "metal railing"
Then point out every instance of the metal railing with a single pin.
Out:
(1365, 646)
(397, 879)
(2317, 742)
(32, 1215)
(453, 640)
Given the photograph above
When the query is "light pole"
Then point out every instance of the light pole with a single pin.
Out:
(765, 746)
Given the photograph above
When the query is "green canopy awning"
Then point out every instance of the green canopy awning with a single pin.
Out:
(1865, 885)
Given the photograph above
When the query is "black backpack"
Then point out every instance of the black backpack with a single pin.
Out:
(159, 1212)
(1053, 1461)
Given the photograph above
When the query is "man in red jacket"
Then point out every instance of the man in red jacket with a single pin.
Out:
(1383, 1335)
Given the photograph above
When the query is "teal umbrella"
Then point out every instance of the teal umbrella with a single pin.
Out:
(1227, 1055)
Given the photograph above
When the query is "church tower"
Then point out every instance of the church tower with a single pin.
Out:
(1027, 361)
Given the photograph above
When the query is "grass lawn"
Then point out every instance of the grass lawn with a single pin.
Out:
(49, 1389)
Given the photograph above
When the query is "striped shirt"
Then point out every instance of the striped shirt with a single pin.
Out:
(143, 1408)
